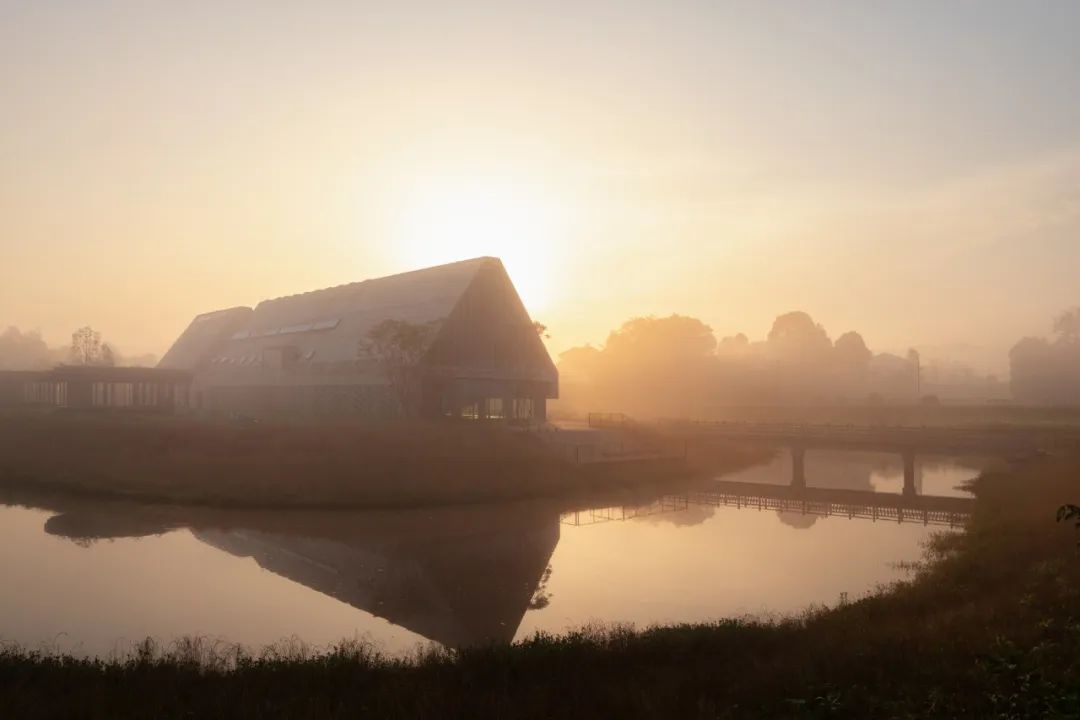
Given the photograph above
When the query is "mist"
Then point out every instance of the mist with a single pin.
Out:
(495, 359)
(676, 367)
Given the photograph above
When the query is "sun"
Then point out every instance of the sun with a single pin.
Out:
(447, 219)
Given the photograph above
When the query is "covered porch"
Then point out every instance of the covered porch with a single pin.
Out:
(88, 387)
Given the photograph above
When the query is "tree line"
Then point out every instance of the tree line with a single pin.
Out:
(1047, 371)
(27, 350)
(675, 366)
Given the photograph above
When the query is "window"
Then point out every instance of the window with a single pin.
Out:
(523, 409)
(328, 324)
(494, 408)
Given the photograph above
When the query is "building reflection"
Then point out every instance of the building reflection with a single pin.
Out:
(460, 576)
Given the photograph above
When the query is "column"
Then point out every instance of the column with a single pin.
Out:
(798, 466)
(909, 473)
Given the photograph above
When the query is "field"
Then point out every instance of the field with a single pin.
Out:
(325, 465)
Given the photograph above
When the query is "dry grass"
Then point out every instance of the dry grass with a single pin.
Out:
(186, 460)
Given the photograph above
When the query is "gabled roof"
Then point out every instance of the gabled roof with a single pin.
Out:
(326, 324)
(352, 310)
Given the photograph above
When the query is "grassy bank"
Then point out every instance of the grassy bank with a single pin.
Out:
(165, 459)
(989, 626)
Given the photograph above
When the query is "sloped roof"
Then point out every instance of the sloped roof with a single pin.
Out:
(325, 324)
(203, 337)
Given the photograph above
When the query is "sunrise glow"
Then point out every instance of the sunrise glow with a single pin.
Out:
(451, 218)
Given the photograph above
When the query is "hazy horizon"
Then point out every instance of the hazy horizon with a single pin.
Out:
(908, 171)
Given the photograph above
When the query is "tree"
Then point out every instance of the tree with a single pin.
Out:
(1048, 372)
(541, 330)
(652, 340)
(1044, 372)
(1067, 326)
(851, 351)
(86, 347)
(398, 347)
(795, 336)
(581, 362)
(733, 346)
(23, 350)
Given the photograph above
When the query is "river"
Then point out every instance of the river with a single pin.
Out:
(95, 578)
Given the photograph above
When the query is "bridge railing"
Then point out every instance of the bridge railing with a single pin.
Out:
(851, 510)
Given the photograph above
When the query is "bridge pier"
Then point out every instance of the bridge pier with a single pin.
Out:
(909, 473)
(798, 466)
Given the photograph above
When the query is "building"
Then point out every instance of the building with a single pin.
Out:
(97, 387)
(307, 354)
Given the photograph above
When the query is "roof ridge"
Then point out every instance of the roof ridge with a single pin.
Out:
(482, 258)
(222, 311)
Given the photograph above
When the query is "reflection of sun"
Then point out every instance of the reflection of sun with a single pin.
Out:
(461, 218)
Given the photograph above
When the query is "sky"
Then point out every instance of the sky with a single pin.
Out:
(910, 170)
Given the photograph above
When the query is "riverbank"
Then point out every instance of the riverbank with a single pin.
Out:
(181, 460)
(988, 626)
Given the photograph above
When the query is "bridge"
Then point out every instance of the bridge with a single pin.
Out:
(862, 504)
(908, 441)
(1001, 441)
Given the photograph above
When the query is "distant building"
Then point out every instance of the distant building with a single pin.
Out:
(304, 354)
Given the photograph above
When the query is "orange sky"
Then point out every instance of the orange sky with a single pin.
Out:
(912, 172)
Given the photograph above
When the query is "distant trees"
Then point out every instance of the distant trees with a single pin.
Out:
(27, 350)
(733, 345)
(674, 366)
(850, 351)
(24, 350)
(648, 365)
(1048, 371)
(87, 348)
(1067, 326)
(581, 363)
(398, 347)
(676, 338)
(796, 337)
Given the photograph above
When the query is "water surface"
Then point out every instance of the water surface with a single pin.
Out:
(93, 577)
